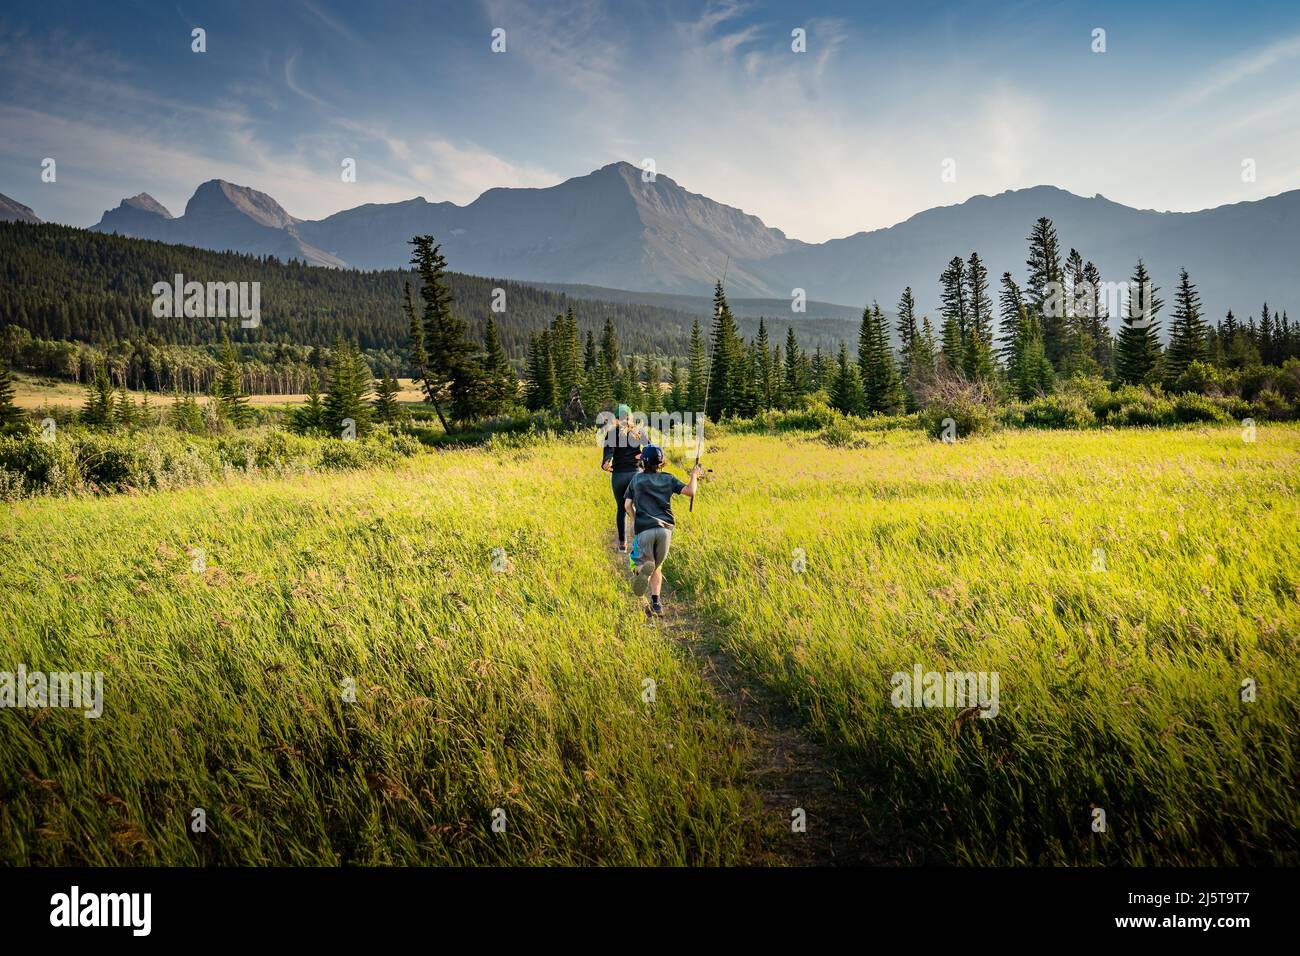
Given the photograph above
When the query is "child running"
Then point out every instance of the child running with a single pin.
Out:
(649, 502)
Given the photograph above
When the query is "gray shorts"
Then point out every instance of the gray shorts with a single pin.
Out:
(652, 545)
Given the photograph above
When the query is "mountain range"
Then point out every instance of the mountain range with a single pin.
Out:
(615, 230)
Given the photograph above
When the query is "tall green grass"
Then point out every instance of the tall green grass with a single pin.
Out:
(1120, 688)
(476, 689)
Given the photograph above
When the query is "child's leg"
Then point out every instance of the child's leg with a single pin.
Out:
(663, 539)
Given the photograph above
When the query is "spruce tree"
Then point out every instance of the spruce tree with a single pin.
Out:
(952, 348)
(446, 348)
(1046, 288)
(386, 407)
(1009, 301)
(1029, 372)
(1186, 333)
(540, 387)
(653, 400)
(955, 298)
(845, 386)
(501, 387)
(697, 375)
(414, 336)
(9, 412)
(98, 410)
(345, 397)
(796, 384)
(677, 388)
(727, 376)
(229, 389)
(310, 417)
(977, 354)
(881, 389)
(1137, 347)
(764, 386)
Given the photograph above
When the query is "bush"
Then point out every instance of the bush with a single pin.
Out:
(838, 434)
(1199, 408)
(1270, 406)
(1062, 410)
(967, 405)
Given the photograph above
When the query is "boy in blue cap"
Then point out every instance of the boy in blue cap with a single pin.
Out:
(648, 501)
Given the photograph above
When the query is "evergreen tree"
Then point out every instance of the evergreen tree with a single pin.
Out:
(881, 389)
(446, 348)
(597, 395)
(501, 387)
(308, 418)
(540, 387)
(1186, 334)
(818, 367)
(123, 411)
(185, 415)
(414, 336)
(1137, 347)
(653, 401)
(955, 300)
(1046, 289)
(589, 360)
(98, 410)
(386, 407)
(697, 376)
(727, 376)
(677, 388)
(1099, 326)
(610, 351)
(565, 355)
(9, 412)
(952, 349)
(977, 354)
(796, 384)
(764, 385)
(1029, 372)
(229, 389)
(845, 387)
(1009, 303)
(345, 396)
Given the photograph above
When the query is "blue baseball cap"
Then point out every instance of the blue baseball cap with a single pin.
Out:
(652, 456)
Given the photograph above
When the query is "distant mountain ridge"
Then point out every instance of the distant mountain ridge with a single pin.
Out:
(13, 211)
(615, 229)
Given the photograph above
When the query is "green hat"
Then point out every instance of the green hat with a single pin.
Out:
(622, 411)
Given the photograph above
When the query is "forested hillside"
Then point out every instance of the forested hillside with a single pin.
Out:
(68, 285)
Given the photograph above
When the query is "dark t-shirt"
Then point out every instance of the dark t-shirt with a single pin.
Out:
(622, 449)
(652, 496)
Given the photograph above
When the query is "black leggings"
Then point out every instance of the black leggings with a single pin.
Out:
(620, 481)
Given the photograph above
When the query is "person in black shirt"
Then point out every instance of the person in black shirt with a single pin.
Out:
(622, 447)
(648, 500)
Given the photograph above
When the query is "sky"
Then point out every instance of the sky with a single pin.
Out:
(890, 109)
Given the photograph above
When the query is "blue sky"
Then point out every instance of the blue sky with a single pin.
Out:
(850, 135)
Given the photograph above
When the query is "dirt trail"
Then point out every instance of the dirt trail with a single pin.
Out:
(788, 768)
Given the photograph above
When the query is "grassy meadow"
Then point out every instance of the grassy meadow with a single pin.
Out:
(1122, 584)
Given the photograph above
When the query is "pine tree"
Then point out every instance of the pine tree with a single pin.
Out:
(952, 349)
(1137, 347)
(1029, 372)
(386, 407)
(186, 416)
(589, 361)
(697, 375)
(446, 348)
(818, 365)
(501, 387)
(597, 395)
(727, 376)
(123, 411)
(796, 384)
(653, 401)
(98, 410)
(845, 386)
(1046, 289)
(414, 336)
(764, 386)
(310, 417)
(540, 387)
(229, 389)
(345, 397)
(9, 412)
(1186, 334)
(881, 389)
(955, 299)
(677, 388)
(565, 355)
(1009, 303)
(977, 354)
(924, 359)
(1099, 324)
(609, 350)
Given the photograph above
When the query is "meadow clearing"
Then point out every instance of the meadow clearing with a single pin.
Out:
(1121, 584)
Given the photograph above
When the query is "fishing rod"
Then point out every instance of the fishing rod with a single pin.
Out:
(699, 438)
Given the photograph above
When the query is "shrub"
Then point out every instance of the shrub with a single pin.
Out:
(968, 405)
(1061, 410)
(1192, 407)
